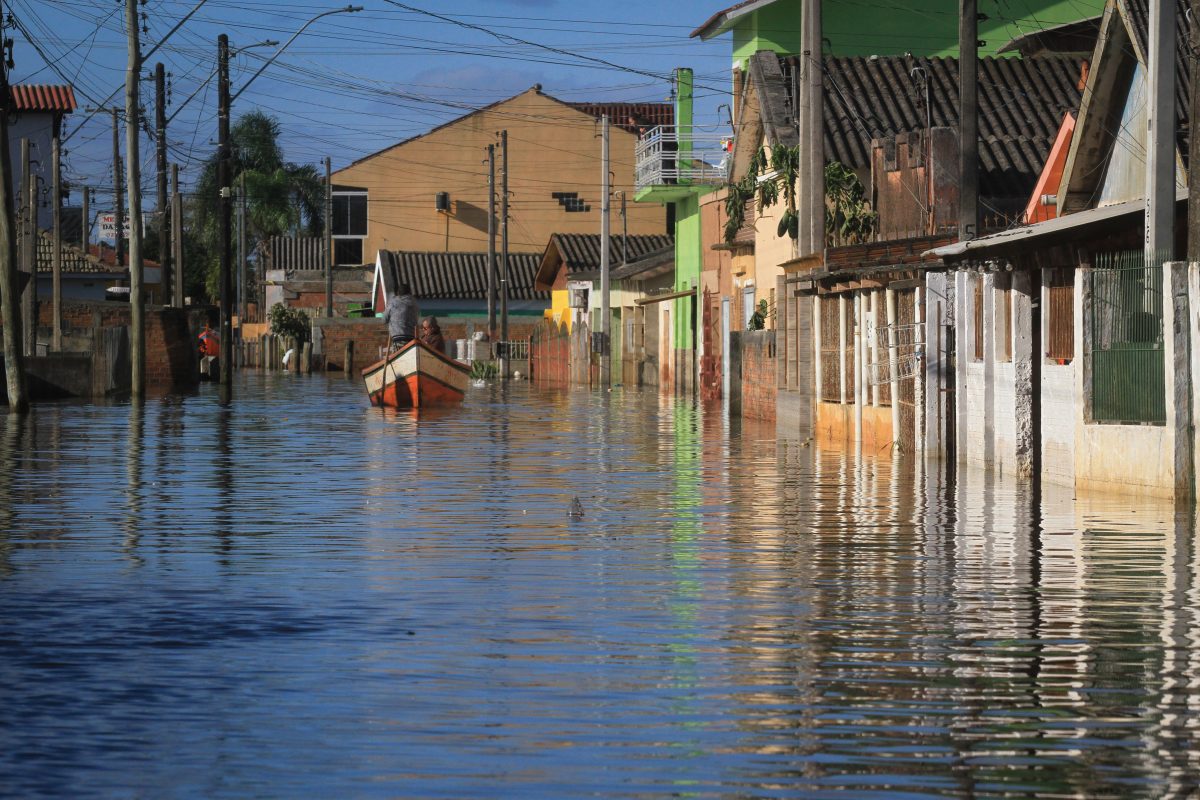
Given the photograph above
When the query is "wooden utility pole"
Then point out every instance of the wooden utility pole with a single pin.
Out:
(56, 232)
(968, 120)
(605, 299)
(133, 163)
(164, 215)
(85, 224)
(14, 364)
(504, 249)
(243, 253)
(28, 252)
(1160, 151)
(224, 216)
(327, 249)
(176, 237)
(118, 190)
(491, 264)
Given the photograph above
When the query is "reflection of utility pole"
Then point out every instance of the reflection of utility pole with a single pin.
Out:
(14, 364)
(133, 163)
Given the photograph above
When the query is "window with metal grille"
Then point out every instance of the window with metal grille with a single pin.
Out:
(977, 317)
(1126, 319)
(1002, 316)
(1060, 314)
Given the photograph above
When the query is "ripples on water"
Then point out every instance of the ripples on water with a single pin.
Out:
(303, 596)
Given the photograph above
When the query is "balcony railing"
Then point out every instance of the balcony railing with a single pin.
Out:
(678, 155)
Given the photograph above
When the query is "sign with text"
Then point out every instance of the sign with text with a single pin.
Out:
(108, 226)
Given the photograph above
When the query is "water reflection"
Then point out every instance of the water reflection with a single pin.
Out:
(327, 599)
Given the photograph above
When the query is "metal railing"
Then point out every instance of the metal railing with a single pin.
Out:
(1126, 319)
(907, 341)
(678, 155)
(514, 351)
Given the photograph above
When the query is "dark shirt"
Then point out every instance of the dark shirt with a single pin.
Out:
(435, 340)
(401, 316)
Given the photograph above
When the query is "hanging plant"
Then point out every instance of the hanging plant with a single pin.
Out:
(848, 215)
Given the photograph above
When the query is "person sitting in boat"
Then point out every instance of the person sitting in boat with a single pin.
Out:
(431, 334)
(401, 316)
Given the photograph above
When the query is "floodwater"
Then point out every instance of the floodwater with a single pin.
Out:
(301, 596)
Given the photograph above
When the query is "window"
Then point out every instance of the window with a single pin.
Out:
(1060, 314)
(347, 252)
(1002, 316)
(349, 213)
(977, 318)
(831, 348)
(748, 304)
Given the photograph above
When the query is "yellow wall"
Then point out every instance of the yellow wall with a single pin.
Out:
(560, 309)
(552, 148)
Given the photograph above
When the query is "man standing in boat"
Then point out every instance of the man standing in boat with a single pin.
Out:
(401, 316)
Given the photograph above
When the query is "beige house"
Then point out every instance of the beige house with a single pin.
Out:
(430, 193)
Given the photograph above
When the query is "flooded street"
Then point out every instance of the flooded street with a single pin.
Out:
(303, 596)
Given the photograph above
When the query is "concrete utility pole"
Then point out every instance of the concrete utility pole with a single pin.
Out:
(85, 224)
(327, 249)
(56, 252)
(242, 252)
(605, 312)
(176, 237)
(133, 163)
(164, 215)
(118, 190)
(812, 155)
(504, 251)
(14, 364)
(1160, 160)
(28, 251)
(1193, 238)
(491, 264)
(224, 222)
(968, 120)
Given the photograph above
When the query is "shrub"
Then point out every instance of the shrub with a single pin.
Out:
(289, 322)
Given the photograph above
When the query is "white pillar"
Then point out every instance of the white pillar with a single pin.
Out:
(893, 367)
(858, 373)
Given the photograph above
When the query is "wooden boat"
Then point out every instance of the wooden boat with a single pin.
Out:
(416, 376)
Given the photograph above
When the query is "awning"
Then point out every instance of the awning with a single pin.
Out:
(662, 298)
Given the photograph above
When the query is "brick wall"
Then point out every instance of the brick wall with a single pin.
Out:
(370, 334)
(759, 385)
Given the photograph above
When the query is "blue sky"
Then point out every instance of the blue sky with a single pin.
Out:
(355, 83)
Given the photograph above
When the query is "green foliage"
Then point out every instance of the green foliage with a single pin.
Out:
(484, 370)
(289, 322)
(784, 163)
(758, 320)
(848, 215)
(282, 198)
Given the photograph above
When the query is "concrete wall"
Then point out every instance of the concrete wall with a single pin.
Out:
(552, 148)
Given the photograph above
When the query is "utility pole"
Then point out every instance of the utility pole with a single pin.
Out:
(56, 252)
(224, 221)
(176, 237)
(491, 264)
(85, 224)
(164, 216)
(605, 313)
(28, 252)
(504, 252)
(133, 163)
(327, 248)
(118, 197)
(811, 158)
(968, 120)
(14, 364)
(1193, 237)
(242, 252)
(1160, 155)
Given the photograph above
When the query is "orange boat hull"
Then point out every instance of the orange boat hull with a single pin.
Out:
(416, 376)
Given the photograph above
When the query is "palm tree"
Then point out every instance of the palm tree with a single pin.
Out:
(281, 197)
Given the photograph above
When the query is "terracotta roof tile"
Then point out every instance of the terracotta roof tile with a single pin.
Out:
(43, 97)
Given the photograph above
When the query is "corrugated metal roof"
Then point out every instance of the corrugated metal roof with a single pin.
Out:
(457, 276)
(1021, 104)
(581, 251)
(43, 97)
(1137, 13)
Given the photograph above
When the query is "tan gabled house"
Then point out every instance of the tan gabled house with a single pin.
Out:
(430, 193)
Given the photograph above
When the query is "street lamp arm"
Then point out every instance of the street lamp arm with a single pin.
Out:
(275, 55)
(213, 74)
